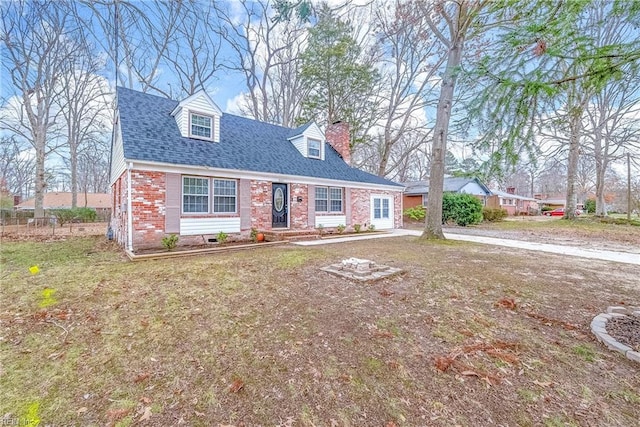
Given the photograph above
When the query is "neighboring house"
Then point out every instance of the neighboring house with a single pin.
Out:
(416, 192)
(101, 202)
(513, 203)
(186, 168)
(554, 201)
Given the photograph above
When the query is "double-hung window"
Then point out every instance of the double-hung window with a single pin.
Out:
(314, 148)
(224, 196)
(201, 126)
(196, 194)
(328, 199)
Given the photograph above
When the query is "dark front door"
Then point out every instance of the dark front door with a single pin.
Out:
(279, 206)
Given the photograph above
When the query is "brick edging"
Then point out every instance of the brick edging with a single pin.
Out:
(599, 329)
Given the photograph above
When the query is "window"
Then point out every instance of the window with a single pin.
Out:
(322, 199)
(314, 148)
(335, 196)
(380, 208)
(425, 200)
(201, 126)
(195, 195)
(224, 196)
(328, 199)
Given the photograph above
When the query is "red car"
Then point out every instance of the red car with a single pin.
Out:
(558, 212)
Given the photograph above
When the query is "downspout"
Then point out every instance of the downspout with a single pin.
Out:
(129, 213)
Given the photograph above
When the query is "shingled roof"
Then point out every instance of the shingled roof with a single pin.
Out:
(150, 133)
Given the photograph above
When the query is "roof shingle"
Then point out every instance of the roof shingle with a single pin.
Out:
(150, 133)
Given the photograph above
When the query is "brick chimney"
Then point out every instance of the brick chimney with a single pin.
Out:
(338, 137)
(511, 190)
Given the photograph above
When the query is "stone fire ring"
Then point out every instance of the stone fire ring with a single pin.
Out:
(599, 329)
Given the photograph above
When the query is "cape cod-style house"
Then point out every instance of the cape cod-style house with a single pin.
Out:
(187, 168)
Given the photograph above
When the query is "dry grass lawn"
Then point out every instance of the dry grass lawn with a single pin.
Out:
(469, 335)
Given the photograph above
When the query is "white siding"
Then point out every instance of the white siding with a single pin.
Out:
(328, 221)
(117, 155)
(197, 226)
(199, 104)
(313, 132)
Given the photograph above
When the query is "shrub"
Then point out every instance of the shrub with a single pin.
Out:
(67, 215)
(170, 242)
(357, 227)
(546, 209)
(590, 206)
(254, 234)
(63, 216)
(341, 228)
(320, 229)
(371, 227)
(491, 215)
(416, 213)
(463, 209)
(222, 237)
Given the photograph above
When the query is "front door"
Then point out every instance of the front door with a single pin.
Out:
(279, 205)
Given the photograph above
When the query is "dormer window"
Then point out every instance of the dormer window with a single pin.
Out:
(200, 126)
(313, 148)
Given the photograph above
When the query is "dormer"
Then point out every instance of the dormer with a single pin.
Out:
(198, 117)
(308, 140)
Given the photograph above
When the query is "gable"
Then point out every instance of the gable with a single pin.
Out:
(306, 137)
(198, 117)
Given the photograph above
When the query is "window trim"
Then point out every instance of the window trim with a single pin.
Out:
(210, 196)
(309, 155)
(190, 114)
(182, 211)
(329, 199)
(235, 196)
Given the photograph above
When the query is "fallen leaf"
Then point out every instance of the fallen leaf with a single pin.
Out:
(141, 377)
(147, 414)
(386, 293)
(470, 373)
(118, 414)
(508, 303)
(145, 400)
(236, 386)
(82, 410)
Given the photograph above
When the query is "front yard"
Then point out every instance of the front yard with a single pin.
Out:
(469, 335)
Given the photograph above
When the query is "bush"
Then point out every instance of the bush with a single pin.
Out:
(170, 242)
(416, 213)
(222, 237)
(371, 227)
(357, 227)
(341, 228)
(546, 209)
(590, 206)
(75, 214)
(492, 215)
(463, 209)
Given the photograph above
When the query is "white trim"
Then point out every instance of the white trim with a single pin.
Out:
(382, 223)
(211, 125)
(258, 176)
(189, 99)
(129, 213)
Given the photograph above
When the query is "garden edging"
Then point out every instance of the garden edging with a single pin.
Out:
(599, 329)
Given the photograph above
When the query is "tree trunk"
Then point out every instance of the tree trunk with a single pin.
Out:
(601, 166)
(73, 160)
(575, 126)
(40, 181)
(433, 224)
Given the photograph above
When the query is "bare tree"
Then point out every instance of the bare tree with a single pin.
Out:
(34, 54)
(408, 49)
(266, 52)
(17, 167)
(451, 23)
(85, 106)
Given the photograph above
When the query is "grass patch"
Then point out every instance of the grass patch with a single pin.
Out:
(585, 352)
(265, 335)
